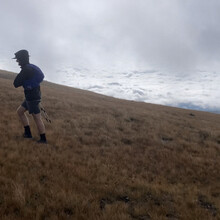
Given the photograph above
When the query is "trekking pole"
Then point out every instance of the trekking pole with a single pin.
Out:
(45, 115)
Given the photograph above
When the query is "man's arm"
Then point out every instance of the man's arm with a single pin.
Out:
(25, 74)
(19, 80)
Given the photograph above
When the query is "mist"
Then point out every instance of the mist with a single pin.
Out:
(178, 38)
(172, 35)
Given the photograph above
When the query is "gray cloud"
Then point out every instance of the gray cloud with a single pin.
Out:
(173, 35)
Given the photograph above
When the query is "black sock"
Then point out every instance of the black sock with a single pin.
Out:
(43, 137)
(27, 130)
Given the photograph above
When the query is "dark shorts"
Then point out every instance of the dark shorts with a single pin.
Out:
(33, 107)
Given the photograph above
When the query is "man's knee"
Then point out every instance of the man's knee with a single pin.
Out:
(21, 110)
(37, 117)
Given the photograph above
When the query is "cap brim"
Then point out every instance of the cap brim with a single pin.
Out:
(14, 58)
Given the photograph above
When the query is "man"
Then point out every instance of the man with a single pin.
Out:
(30, 78)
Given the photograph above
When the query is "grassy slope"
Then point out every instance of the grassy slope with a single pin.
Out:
(108, 159)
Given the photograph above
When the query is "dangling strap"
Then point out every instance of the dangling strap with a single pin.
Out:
(44, 113)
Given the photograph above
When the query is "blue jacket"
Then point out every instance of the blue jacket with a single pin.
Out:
(30, 78)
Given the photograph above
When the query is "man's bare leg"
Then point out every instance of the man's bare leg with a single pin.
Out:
(21, 114)
(24, 120)
(40, 127)
(39, 123)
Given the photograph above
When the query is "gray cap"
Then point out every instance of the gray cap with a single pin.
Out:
(21, 54)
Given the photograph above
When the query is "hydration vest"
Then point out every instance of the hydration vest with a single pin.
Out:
(37, 78)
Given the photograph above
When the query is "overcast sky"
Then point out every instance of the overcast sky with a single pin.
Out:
(171, 34)
(176, 36)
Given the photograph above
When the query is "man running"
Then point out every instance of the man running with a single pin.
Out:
(30, 78)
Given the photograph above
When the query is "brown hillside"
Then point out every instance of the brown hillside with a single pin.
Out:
(107, 159)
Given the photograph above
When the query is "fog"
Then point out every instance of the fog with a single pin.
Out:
(178, 37)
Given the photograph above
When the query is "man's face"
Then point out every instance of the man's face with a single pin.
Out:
(17, 60)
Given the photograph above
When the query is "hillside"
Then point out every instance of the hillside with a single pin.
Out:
(107, 159)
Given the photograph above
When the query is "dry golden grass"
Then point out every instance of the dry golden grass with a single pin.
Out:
(108, 159)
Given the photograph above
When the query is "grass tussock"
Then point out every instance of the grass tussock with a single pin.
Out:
(108, 159)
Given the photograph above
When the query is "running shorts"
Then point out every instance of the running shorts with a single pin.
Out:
(33, 107)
